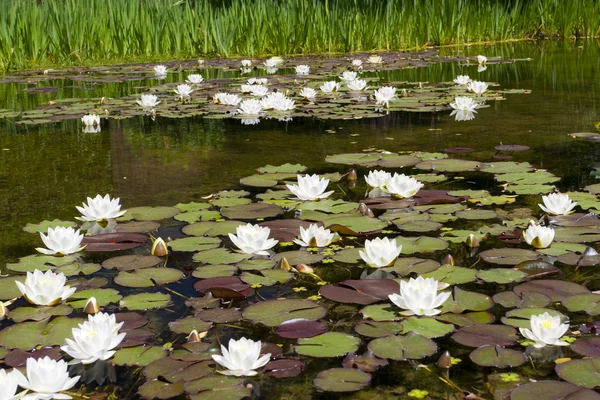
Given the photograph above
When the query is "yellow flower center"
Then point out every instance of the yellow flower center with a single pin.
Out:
(547, 324)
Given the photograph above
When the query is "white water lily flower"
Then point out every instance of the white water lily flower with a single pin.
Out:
(384, 95)
(245, 88)
(95, 339)
(274, 61)
(194, 79)
(357, 63)
(302, 70)
(462, 79)
(545, 329)
(242, 358)
(250, 107)
(286, 104)
(258, 90)
(91, 120)
(61, 241)
(348, 76)
(257, 81)
(184, 90)
(100, 209)
(249, 121)
(148, 101)
(557, 204)
(46, 378)
(227, 99)
(464, 103)
(402, 186)
(357, 84)
(310, 187)
(253, 239)
(380, 252)
(308, 93)
(277, 101)
(538, 236)
(246, 63)
(45, 289)
(477, 87)
(314, 236)
(481, 59)
(9, 381)
(419, 297)
(377, 179)
(330, 86)
(160, 70)
(375, 59)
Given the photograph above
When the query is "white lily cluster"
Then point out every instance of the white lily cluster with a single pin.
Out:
(95, 339)
(255, 90)
(310, 188)
(463, 108)
(250, 107)
(241, 357)
(538, 236)
(148, 101)
(398, 185)
(46, 379)
(273, 62)
(477, 87)
(308, 93)
(419, 297)
(302, 69)
(160, 71)
(315, 236)
(45, 289)
(384, 95)
(462, 80)
(330, 86)
(253, 239)
(277, 101)
(194, 79)
(183, 91)
(61, 241)
(357, 63)
(227, 99)
(380, 252)
(357, 85)
(545, 330)
(348, 76)
(557, 204)
(100, 209)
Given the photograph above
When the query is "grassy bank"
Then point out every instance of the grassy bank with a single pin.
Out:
(35, 33)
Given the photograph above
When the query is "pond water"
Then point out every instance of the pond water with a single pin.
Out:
(45, 170)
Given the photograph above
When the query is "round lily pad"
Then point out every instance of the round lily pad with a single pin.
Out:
(587, 346)
(301, 328)
(452, 275)
(212, 228)
(103, 296)
(44, 225)
(145, 301)
(150, 213)
(462, 300)
(27, 335)
(148, 277)
(275, 312)
(188, 324)
(131, 262)
(364, 159)
(160, 390)
(139, 355)
(449, 165)
(219, 256)
(285, 368)
(551, 390)
(299, 257)
(427, 327)
(8, 289)
(422, 244)
(194, 243)
(342, 380)
(587, 302)
(508, 256)
(330, 344)
(251, 211)
(501, 275)
(557, 290)
(580, 372)
(402, 347)
(377, 329)
(497, 356)
(354, 224)
(381, 312)
(21, 314)
(479, 335)
(268, 277)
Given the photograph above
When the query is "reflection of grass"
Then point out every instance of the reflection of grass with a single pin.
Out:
(53, 32)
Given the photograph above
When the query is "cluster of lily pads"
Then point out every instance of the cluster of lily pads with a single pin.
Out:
(341, 88)
(287, 256)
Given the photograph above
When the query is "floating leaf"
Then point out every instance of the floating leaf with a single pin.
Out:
(556, 290)
(286, 168)
(103, 296)
(224, 287)
(497, 356)
(251, 211)
(44, 225)
(145, 301)
(501, 275)
(150, 213)
(267, 277)
(284, 368)
(449, 165)
(377, 329)
(194, 243)
(479, 335)
(588, 302)
(402, 347)
(140, 355)
(342, 380)
(381, 312)
(552, 390)
(354, 224)
(131, 262)
(38, 313)
(27, 335)
(422, 244)
(212, 228)
(300, 328)
(407, 265)
(427, 327)
(580, 372)
(219, 256)
(508, 256)
(160, 390)
(275, 312)
(148, 277)
(330, 344)
(462, 300)
(452, 275)
(188, 324)
(361, 291)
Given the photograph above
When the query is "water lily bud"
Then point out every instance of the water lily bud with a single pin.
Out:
(159, 247)
(200, 62)
(352, 176)
(362, 208)
(472, 241)
(589, 252)
(284, 264)
(448, 260)
(404, 93)
(3, 311)
(91, 306)
(196, 336)
(369, 213)
(103, 100)
(445, 360)
(306, 269)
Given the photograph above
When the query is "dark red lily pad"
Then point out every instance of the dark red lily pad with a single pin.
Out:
(251, 211)
(511, 147)
(131, 320)
(342, 380)
(556, 290)
(387, 203)
(113, 241)
(497, 356)
(286, 368)
(18, 358)
(589, 347)
(480, 335)
(552, 390)
(224, 287)
(425, 197)
(285, 230)
(363, 292)
(459, 150)
(301, 328)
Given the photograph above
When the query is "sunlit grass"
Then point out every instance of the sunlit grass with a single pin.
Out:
(52, 32)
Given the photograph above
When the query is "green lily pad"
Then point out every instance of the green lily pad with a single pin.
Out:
(523, 300)
(274, 312)
(478, 317)
(44, 225)
(139, 355)
(449, 165)
(403, 347)
(529, 189)
(556, 290)
(8, 289)
(267, 277)
(43, 263)
(508, 256)
(218, 387)
(577, 234)
(330, 206)
(364, 159)
(377, 329)
(299, 257)
(330, 344)
(497, 356)
(476, 214)
(38, 313)
(212, 228)
(462, 300)
(194, 243)
(131, 262)
(586, 201)
(342, 380)
(407, 265)
(479, 335)
(103, 296)
(286, 168)
(27, 335)
(203, 215)
(193, 206)
(588, 302)
(398, 161)
(452, 275)
(506, 167)
(78, 269)
(148, 277)
(188, 324)
(219, 256)
(501, 275)
(422, 244)
(349, 256)
(528, 178)
(149, 213)
(160, 390)
(427, 327)
(213, 271)
(581, 372)
(354, 224)
(381, 312)
(145, 301)
(229, 202)
(552, 390)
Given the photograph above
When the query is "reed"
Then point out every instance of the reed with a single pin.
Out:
(39, 33)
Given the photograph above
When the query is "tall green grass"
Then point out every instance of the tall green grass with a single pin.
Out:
(37, 33)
